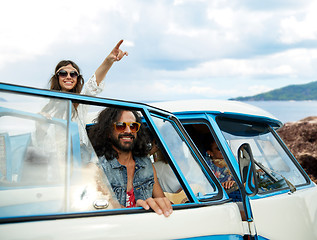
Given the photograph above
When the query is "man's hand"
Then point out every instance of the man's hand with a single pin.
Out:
(116, 53)
(159, 205)
(228, 184)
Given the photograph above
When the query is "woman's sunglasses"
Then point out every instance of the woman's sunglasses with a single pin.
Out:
(63, 73)
(121, 126)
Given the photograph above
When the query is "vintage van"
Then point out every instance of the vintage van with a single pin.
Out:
(279, 198)
(51, 186)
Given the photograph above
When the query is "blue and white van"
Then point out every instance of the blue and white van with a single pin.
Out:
(52, 188)
(278, 197)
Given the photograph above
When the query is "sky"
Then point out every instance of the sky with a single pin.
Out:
(181, 49)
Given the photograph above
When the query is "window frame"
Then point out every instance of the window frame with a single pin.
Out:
(104, 102)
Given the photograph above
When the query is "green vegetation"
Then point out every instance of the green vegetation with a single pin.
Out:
(292, 92)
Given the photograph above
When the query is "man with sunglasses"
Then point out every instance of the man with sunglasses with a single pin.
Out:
(121, 144)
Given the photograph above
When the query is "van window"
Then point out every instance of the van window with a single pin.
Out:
(45, 168)
(207, 145)
(268, 153)
(187, 164)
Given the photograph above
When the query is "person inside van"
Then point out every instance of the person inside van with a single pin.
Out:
(218, 165)
(121, 144)
(165, 174)
(170, 185)
(67, 78)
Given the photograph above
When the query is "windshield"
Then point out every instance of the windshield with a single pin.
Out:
(273, 164)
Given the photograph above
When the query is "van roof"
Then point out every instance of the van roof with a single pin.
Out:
(211, 105)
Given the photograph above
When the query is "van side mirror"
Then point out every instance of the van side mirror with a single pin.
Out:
(247, 169)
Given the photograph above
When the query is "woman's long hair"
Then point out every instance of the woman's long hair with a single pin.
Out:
(54, 82)
(100, 134)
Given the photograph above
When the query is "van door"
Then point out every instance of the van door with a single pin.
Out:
(285, 205)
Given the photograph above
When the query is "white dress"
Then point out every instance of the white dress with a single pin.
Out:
(90, 88)
(57, 108)
(50, 135)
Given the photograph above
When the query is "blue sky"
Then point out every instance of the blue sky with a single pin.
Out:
(182, 49)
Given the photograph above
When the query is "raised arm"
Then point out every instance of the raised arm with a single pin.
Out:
(115, 55)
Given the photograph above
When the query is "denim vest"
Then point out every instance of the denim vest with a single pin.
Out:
(143, 179)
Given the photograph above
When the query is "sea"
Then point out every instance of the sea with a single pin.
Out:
(288, 111)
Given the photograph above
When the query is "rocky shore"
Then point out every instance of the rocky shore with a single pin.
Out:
(301, 138)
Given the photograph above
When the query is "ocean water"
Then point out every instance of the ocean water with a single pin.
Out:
(288, 111)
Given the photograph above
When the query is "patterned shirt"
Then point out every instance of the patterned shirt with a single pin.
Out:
(221, 173)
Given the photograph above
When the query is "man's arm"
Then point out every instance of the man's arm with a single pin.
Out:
(159, 203)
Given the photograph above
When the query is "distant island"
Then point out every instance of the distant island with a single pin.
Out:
(292, 92)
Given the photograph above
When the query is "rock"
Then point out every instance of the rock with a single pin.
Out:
(301, 138)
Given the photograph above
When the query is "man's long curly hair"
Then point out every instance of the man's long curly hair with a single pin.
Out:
(100, 134)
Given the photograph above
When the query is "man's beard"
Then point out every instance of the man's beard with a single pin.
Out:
(126, 147)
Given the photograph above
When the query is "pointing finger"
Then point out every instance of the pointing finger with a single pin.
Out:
(118, 44)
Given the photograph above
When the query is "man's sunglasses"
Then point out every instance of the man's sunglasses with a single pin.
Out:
(121, 126)
(63, 73)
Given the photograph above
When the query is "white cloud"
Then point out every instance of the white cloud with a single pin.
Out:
(223, 17)
(219, 48)
(35, 26)
(301, 26)
(257, 89)
(299, 62)
(169, 90)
